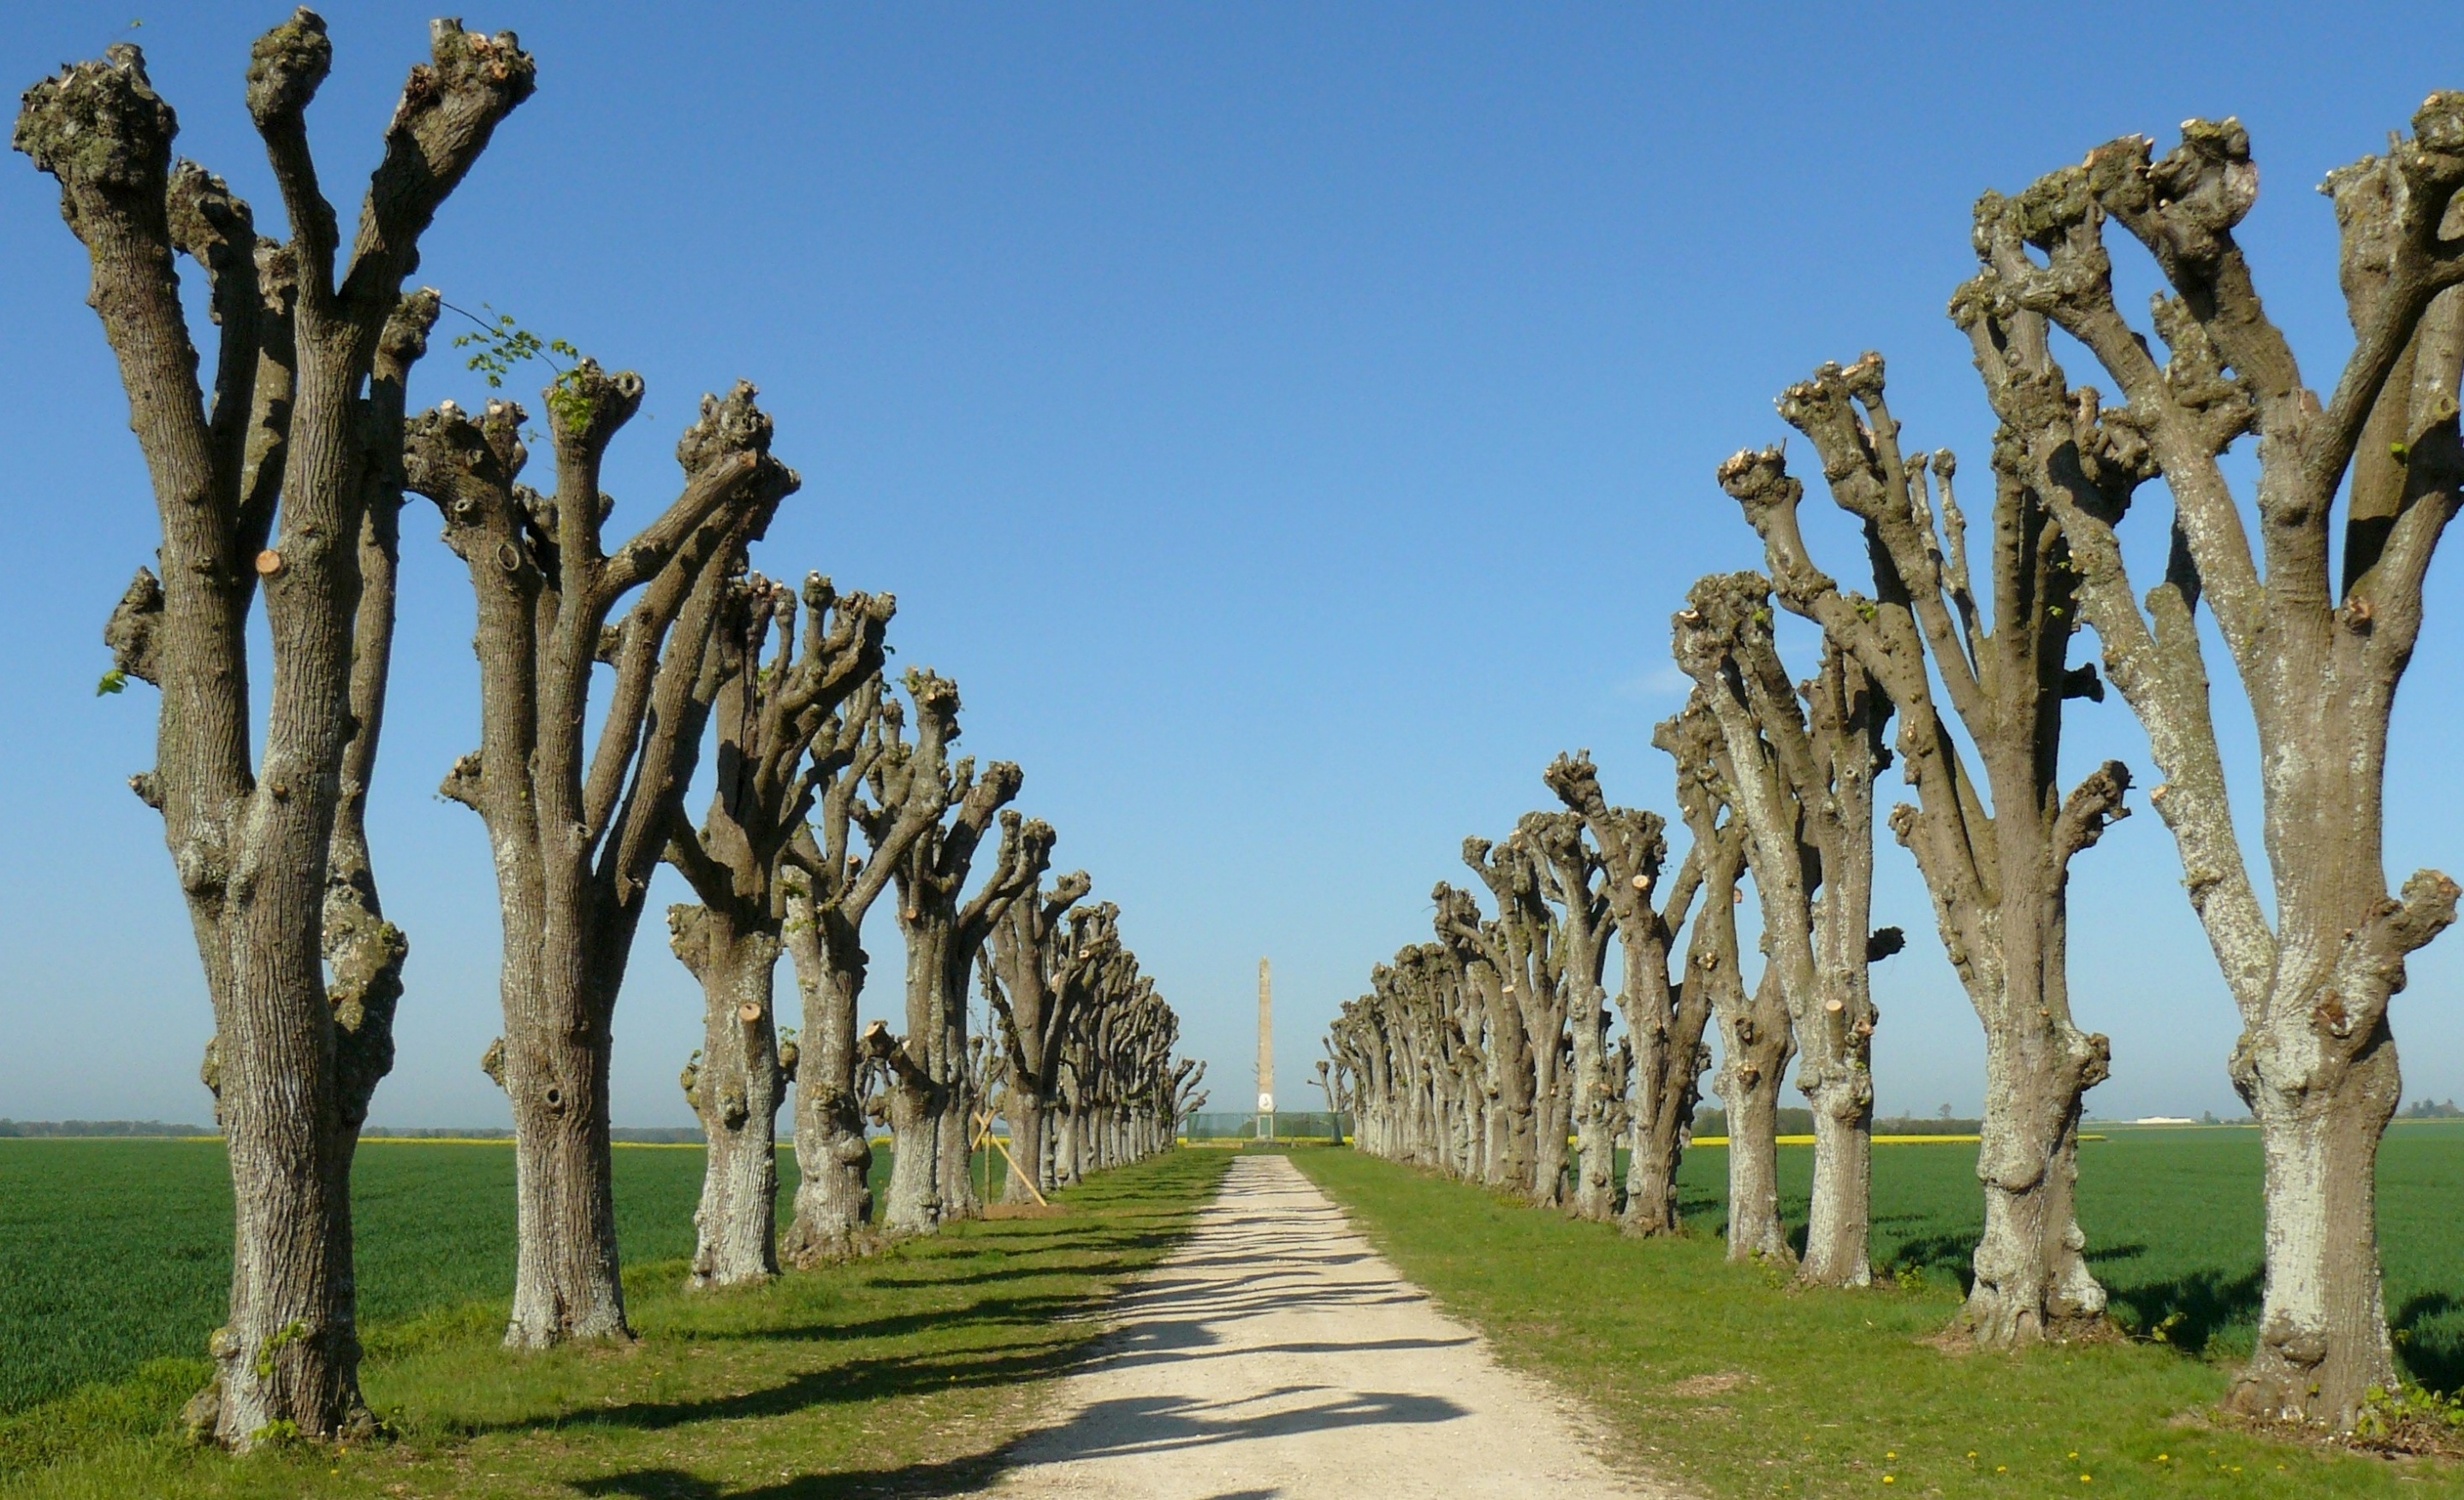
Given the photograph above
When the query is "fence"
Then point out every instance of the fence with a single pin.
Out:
(1281, 1125)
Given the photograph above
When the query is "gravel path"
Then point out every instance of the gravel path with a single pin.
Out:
(1275, 1355)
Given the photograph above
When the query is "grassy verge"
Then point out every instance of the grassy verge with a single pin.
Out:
(1726, 1380)
(2174, 1226)
(890, 1376)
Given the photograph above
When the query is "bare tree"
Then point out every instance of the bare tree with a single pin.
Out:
(1568, 868)
(1510, 1141)
(2318, 650)
(770, 714)
(1038, 973)
(1127, 1089)
(1521, 947)
(578, 830)
(944, 927)
(1664, 1016)
(1804, 784)
(1189, 1091)
(829, 893)
(1999, 874)
(1756, 1039)
(289, 479)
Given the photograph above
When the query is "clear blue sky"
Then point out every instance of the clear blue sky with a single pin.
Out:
(1290, 425)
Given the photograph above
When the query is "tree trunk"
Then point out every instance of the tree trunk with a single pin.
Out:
(2322, 1334)
(1841, 1219)
(1025, 1113)
(1510, 1138)
(553, 1065)
(1551, 1120)
(833, 1159)
(1068, 1146)
(1758, 1050)
(2031, 1281)
(915, 1207)
(1668, 1071)
(918, 1093)
(289, 1353)
(736, 1090)
(1593, 1112)
(954, 1176)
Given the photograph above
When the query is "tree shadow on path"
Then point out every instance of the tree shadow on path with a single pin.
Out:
(1136, 1425)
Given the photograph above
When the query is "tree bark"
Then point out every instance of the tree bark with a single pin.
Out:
(918, 1109)
(736, 1087)
(1759, 1047)
(833, 1157)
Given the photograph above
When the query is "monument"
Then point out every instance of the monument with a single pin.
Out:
(1266, 1051)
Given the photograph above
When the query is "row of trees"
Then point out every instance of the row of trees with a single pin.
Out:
(283, 484)
(1484, 1052)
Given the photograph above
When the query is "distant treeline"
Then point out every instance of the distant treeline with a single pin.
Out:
(26, 1128)
(1800, 1122)
(659, 1134)
(641, 1135)
(2432, 1110)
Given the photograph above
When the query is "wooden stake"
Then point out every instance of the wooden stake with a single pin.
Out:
(984, 1128)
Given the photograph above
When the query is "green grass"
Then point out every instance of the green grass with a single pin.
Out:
(2174, 1222)
(1802, 1393)
(115, 1252)
(898, 1373)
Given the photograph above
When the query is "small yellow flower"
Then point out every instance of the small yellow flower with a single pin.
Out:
(1890, 1479)
(1890, 1455)
(2164, 1458)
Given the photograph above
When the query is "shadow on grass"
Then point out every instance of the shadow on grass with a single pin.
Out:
(2189, 1311)
(2434, 1357)
(1953, 1256)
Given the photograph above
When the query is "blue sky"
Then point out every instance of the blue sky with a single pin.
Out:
(1290, 425)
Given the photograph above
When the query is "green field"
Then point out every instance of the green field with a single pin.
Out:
(114, 1252)
(901, 1372)
(2175, 1223)
(1732, 1383)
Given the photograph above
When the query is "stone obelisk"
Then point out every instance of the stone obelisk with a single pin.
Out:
(1266, 1051)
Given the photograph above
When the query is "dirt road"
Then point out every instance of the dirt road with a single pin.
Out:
(1275, 1355)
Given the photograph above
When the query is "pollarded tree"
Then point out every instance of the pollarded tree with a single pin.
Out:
(1037, 973)
(1568, 870)
(1804, 785)
(770, 714)
(1024, 854)
(1411, 1050)
(1121, 1053)
(2319, 642)
(1189, 1091)
(288, 481)
(1509, 1136)
(1521, 947)
(944, 927)
(1757, 1041)
(829, 893)
(1665, 1014)
(1999, 874)
(575, 830)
